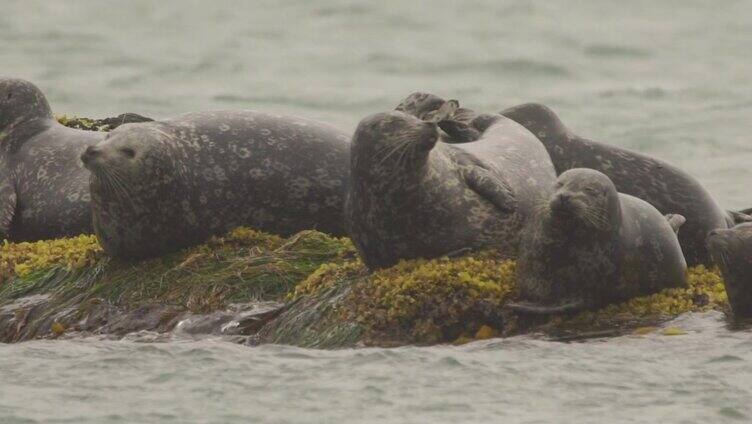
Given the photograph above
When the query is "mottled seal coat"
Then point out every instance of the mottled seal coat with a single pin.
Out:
(163, 185)
(44, 189)
(590, 246)
(664, 186)
(411, 196)
(731, 250)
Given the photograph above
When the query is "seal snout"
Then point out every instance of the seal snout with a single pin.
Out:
(561, 201)
(90, 154)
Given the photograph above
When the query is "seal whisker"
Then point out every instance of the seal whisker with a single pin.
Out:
(123, 188)
(401, 144)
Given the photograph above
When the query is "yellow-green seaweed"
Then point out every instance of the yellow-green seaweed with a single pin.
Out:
(433, 301)
(81, 123)
(705, 291)
(21, 259)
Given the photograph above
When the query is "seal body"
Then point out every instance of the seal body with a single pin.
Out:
(411, 196)
(591, 246)
(731, 250)
(44, 189)
(664, 186)
(160, 186)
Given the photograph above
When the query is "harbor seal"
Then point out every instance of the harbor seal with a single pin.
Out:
(159, 186)
(412, 196)
(731, 250)
(664, 186)
(590, 246)
(44, 189)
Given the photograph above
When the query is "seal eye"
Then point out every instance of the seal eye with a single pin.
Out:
(591, 191)
(128, 152)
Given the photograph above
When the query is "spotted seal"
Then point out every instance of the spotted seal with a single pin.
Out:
(731, 250)
(163, 185)
(664, 186)
(44, 189)
(412, 196)
(590, 246)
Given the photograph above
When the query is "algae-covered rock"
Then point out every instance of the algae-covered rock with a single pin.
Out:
(61, 287)
(106, 124)
(456, 300)
(86, 291)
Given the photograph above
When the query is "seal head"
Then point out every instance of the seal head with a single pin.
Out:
(731, 250)
(586, 201)
(135, 179)
(386, 142)
(21, 102)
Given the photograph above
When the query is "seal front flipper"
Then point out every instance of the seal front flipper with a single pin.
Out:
(491, 187)
(531, 309)
(675, 221)
(7, 203)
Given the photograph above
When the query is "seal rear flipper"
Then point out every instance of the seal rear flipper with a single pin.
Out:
(492, 188)
(8, 201)
(532, 309)
(459, 132)
(675, 221)
(740, 217)
(446, 111)
(420, 103)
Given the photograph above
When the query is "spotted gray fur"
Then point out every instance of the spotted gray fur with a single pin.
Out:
(163, 185)
(411, 196)
(731, 250)
(44, 189)
(664, 186)
(591, 246)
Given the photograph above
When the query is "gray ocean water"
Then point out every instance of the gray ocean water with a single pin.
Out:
(669, 78)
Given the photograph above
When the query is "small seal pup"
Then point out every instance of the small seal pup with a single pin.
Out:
(731, 250)
(411, 196)
(590, 246)
(44, 189)
(664, 186)
(160, 186)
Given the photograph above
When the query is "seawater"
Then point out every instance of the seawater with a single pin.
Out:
(672, 79)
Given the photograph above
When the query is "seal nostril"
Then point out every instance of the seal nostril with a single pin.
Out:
(713, 233)
(89, 154)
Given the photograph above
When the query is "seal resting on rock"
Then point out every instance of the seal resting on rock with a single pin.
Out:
(411, 196)
(731, 250)
(44, 189)
(664, 186)
(160, 186)
(590, 246)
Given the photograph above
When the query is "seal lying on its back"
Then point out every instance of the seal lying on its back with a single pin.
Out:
(731, 250)
(44, 189)
(591, 246)
(164, 185)
(664, 186)
(411, 197)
